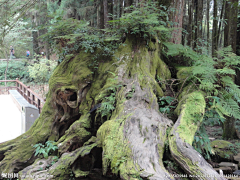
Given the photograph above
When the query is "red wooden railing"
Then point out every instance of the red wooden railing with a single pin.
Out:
(32, 97)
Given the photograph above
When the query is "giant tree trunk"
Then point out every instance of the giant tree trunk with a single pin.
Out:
(128, 139)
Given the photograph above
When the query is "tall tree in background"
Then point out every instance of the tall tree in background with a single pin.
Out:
(207, 21)
(177, 17)
(230, 39)
(221, 19)
(198, 24)
(39, 18)
(230, 30)
(190, 23)
(215, 30)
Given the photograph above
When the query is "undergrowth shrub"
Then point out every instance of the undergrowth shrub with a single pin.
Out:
(16, 69)
(40, 72)
(215, 77)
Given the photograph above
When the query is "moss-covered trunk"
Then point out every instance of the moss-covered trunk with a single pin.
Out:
(106, 122)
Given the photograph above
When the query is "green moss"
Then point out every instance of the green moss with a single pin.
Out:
(151, 46)
(62, 171)
(183, 72)
(117, 153)
(79, 173)
(221, 148)
(193, 168)
(191, 116)
(76, 131)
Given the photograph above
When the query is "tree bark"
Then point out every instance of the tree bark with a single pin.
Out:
(129, 140)
(220, 23)
(100, 14)
(230, 30)
(190, 22)
(195, 26)
(208, 36)
(199, 25)
(230, 37)
(106, 18)
(177, 17)
(214, 33)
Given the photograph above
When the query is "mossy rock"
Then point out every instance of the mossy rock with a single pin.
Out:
(221, 149)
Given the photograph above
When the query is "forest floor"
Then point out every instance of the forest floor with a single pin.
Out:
(216, 132)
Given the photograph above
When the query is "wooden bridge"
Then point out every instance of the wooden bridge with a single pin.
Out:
(10, 116)
(32, 97)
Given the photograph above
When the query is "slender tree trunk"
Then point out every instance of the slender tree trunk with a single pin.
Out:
(110, 9)
(118, 8)
(185, 22)
(190, 22)
(234, 21)
(35, 37)
(6, 70)
(105, 14)
(230, 37)
(195, 2)
(199, 24)
(220, 23)
(100, 14)
(238, 39)
(208, 36)
(214, 32)
(128, 3)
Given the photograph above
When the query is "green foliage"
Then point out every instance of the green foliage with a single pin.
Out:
(108, 105)
(170, 165)
(234, 148)
(130, 93)
(109, 99)
(146, 20)
(16, 69)
(13, 29)
(202, 143)
(46, 149)
(74, 35)
(115, 167)
(166, 104)
(68, 36)
(41, 71)
(211, 117)
(214, 76)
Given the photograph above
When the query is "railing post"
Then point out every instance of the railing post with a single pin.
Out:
(39, 105)
(33, 100)
(17, 84)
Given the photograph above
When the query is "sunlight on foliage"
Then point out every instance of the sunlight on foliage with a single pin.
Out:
(41, 71)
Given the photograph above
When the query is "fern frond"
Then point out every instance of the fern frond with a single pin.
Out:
(231, 107)
(225, 71)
